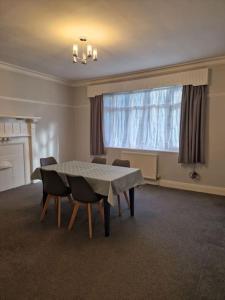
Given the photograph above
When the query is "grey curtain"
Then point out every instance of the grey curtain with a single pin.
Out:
(96, 137)
(193, 125)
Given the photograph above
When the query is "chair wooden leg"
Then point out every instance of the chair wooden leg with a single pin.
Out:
(127, 199)
(45, 208)
(73, 216)
(59, 212)
(90, 220)
(101, 211)
(118, 197)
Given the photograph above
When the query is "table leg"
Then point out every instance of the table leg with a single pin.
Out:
(131, 194)
(106, 216)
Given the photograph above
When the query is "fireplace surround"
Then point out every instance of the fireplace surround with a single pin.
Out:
(18, 155)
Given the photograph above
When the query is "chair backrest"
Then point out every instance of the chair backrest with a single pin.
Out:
(53, 183)
(121, 163)
(99, 160)
(47, 161)
(81, 189)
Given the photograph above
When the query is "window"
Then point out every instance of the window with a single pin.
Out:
(148, 120)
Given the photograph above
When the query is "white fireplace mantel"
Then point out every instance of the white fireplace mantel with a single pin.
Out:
(17, 136)
(26, 118)
(12, 126)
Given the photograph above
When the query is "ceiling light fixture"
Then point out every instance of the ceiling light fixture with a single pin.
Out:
(85, 52)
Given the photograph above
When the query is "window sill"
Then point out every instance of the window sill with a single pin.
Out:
(143, 150)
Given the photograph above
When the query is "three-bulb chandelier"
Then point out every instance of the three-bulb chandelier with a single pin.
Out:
(85, 52)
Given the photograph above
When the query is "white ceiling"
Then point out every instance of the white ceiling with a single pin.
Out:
(130, 35)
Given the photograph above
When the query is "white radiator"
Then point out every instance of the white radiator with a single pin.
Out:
(147, 162)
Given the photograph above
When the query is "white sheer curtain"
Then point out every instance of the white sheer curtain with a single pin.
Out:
(148, 120)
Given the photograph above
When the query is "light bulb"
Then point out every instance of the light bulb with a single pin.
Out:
(89, 51)
(95, 54)
(84, 58)
(75, 50)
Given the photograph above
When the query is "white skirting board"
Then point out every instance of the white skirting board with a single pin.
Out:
(208, 189)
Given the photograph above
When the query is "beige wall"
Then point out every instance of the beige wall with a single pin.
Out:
(21, 94)
(213, 174)
(64, 130)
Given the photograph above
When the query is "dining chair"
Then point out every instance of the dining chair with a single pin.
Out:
(83, 193)
(47, 161)
(99, 160)
(122, 163)
(55, 188)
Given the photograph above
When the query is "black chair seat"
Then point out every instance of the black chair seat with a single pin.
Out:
(53, 184)
(81, 190)
(99, 196)
(47, 161)
(83, 194)
(94, 200)
(122, 163)
(54, 187)
(99, 160)
(67, 192)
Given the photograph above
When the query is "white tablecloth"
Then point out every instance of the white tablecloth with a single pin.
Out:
(106, 180)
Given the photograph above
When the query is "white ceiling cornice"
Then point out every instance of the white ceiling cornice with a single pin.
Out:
(120, 77)
(153, 72)
(33, 73)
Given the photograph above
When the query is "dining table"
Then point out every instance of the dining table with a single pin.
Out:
(106, 180)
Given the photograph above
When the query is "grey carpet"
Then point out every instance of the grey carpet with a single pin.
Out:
(174, 248)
